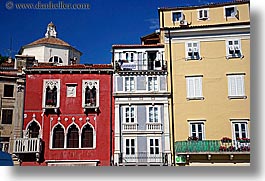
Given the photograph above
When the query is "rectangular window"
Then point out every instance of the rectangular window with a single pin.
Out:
(4, 144)
(203, 14)
(177, 16)
(240, 130)
(154, 146)
(129, 84)
(129, 114)
(233, 48)
(90, 93)
(231, 12)
(7, 116)
(152, 84)
(236, 86)
(130, 146)
(197, 130)
(51, 94)
(192, 51)
(153, 114)
(194, 87)
(8, 90)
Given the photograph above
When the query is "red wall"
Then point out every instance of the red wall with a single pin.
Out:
(69, 108)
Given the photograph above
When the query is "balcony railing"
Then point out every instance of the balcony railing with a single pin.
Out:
(144, 157)
(27, 145)
(136, 65)
(130, 126)
(154, 126)
(206, 146)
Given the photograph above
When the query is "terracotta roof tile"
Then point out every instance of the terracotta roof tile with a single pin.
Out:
(76, 66)
(50, 40)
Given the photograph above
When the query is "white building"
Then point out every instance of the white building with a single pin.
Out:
(141, 105)
(51, 49)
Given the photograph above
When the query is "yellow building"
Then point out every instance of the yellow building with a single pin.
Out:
(207, 49)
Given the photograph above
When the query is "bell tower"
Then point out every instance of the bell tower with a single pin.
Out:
(51, 31)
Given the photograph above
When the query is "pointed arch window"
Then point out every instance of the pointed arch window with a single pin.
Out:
(33, 130)
(87, 137)
(73, 137)
(58, 137)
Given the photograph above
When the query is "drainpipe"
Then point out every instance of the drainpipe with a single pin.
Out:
(111, 121)
(172, 97)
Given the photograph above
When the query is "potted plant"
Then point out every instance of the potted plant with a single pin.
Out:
(193, 138)
(226, 140)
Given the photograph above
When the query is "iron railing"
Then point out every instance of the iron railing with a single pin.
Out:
(143, 157)
(212, 146)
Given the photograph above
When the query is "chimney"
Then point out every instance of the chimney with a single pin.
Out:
(9, 60)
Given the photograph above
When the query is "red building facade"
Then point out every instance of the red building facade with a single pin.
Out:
(68, 116)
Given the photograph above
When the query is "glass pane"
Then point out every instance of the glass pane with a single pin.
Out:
(156, 150)
(151, 142)
(236, 128)
(132, 142)
(230, 42)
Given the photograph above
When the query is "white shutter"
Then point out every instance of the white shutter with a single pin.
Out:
(240, 85)
(190, 87)
(116, 56)
(198, 87)
(231, 85)
(236, 85)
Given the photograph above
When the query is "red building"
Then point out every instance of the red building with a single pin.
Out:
(68, 116)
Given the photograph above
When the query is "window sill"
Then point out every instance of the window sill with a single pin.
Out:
(193, 59)
(72, 148)
(12, 98)
(234, 57)
(195, 98)
(237, 97)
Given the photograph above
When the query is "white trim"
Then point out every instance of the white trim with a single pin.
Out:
(182, 16)
(193, 49)
(135, 147)
(158, 112)
(94, 136)
(152, 81)
(97, 86)
(234, 47)
(56, 82)
(134, 82)
(51, 135)
(203, 18)
(150, 159)
(202, 122)
(239, 121)
(34, 120)
(233, 15)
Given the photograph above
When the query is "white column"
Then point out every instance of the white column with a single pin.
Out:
(117, 134)
(167, 133)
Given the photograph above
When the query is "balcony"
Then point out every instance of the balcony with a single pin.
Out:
(27, 145)
(130, 126)
(143, 65)
(143, 158)
(154, 126)
(212, 146)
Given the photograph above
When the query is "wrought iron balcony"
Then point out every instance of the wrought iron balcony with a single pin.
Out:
(27, 145)
(144, 158)
(208, 146)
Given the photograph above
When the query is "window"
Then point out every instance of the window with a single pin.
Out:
(153, 114)
(87, 137)
(192, 51)
(194, 87)
(33, 130)
(90, 96)
(236, 86)
(130, 146)
(240, 129)
(154, 146)
(51, 94)
(58, 137)
(233, 49)
(73, 137)
(129, 56)
(129, 84)
(8, 90)
(197, 130)
(203, 14)
(56, 59)
(152, 84)
(7, 116)
(129, 114)
(4, 144)
(177, 16)
(231, 12)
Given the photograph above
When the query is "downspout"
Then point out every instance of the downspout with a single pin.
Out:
(111, 121)
(172, 97)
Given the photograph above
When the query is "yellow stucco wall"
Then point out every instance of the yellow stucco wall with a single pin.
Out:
(216, 108)
(216, 16)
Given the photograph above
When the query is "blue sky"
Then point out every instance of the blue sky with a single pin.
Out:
(91, 31)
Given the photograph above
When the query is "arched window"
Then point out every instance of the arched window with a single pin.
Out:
(58, 137)
(33, 130)
(73, 137)
(87, 137)
(56, 59)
